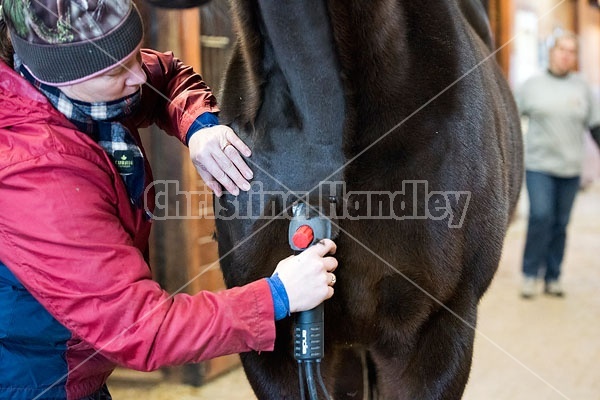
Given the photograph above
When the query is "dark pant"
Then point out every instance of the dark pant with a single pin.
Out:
(550, 202)
(101, 394)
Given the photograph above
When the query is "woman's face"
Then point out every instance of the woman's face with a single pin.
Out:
(121, 81)
(563, 56)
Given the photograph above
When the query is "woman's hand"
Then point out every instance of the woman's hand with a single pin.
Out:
(215, 152)
(308, 277)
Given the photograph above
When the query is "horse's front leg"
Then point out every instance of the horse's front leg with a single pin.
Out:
(274, 375)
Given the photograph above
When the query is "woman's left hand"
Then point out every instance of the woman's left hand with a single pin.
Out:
(215, 152)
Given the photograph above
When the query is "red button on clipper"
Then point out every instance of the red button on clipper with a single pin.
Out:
(303, 237)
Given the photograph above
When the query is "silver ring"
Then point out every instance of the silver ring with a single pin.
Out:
(225, 146)
(333, 279)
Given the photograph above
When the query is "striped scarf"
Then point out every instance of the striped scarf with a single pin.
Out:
(100, 122)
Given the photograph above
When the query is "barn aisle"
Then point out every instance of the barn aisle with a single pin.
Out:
(540, 349)
(545, 348)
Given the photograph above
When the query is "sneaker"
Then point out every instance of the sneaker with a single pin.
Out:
(528, 288)
(554, 288)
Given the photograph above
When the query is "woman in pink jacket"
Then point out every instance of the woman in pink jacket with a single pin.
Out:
(76, 294)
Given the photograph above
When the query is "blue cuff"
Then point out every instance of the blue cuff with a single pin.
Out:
(281, 302)
(205, 120)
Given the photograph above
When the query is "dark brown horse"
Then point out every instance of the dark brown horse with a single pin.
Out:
(401, 103)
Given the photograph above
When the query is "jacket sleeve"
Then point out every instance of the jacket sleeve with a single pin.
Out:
(173, 96)
(62, 237)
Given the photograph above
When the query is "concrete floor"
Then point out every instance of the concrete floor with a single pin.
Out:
(540, 349)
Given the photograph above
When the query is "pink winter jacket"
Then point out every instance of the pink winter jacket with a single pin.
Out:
(70, 235)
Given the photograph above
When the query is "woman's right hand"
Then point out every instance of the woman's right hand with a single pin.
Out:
(216, 152)
(308, 277)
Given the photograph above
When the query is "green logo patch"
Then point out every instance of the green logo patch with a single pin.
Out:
(124, 160)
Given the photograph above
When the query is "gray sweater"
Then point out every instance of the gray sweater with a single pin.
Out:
(560, 110)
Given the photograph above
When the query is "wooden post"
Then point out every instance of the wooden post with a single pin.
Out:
(501, 13)
(183, 252)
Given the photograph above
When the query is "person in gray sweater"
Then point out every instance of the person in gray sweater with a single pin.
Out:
(561, 107)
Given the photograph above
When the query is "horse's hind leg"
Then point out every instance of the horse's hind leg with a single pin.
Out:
(437, 367)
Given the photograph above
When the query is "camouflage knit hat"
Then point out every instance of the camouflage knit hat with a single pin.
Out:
(67, 41)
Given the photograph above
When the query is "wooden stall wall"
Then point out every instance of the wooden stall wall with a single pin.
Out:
(501, 22)
(183, 252)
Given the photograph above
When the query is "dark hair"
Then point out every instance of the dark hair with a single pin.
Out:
(6, 49)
